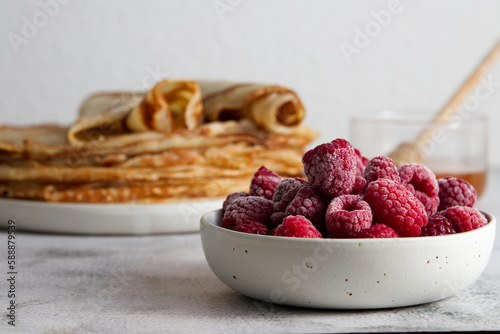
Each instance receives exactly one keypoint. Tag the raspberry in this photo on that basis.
(422, 183)
(377, 231)
(231, 197)
(296, 226)
(286, 185)
(331, 167)
(346, 215)
(381, 167)
(453, 191)
(252, 208)
(394, 205)
(284, 193)
(464, 218)
(252, 227)
(264, 182)
(361, 162)
(359, 185)
(437, 225)
(310, 203)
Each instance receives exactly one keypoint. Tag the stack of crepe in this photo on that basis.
(179, 141)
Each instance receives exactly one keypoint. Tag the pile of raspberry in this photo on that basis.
(346, 195)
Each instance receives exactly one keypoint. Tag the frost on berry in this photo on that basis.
(464, 218)
(454, 191)
(331, 167)
(310, 203)
(347, 215)
(251, 227)
(252, 208)
(264, 183)
(377, 231)
(422, 183)
(231, 197)
(381, 167)
(297, 227)
(437, 225)
(394, 205)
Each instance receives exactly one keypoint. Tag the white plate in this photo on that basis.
(127, 218)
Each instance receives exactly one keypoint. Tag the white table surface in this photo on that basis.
(162, 284)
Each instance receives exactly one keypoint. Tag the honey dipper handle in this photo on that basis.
(451, 107)
(403, 152)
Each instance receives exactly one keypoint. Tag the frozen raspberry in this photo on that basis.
(331, 167)
(296, 226)
(285, 192)
(310, 203)
(381, 167)
(253, 208)
(251, 227)
(231, 197)
(359, 185)
(285, 186)
(264, 182)
(361, 162)
(394, 205)
(377, 231)
(437, 225)
(453, 191)
(464, 218)
(346, 215)
(422, 183)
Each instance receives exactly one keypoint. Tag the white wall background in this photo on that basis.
(416, 61)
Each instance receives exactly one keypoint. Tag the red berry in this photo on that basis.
(422, 183)
(453, 192)
(394, 205)
(231, 197)
(347, 215)
(464, 218)
(285, 186)
(359, 185)
(437, 225)
(285, 192)
(310, 203)
(331, 167)
(264, 182)
(361, 162)
(251, 227)
(377, 231)
(296, 226)
(381, 167)
(252, 208)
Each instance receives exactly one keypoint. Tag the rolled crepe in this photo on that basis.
(276, 108)
(176, 106)
(170, 106)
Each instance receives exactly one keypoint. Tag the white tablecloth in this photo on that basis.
(162, 284)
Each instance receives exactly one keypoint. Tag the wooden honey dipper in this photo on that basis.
(411, 151)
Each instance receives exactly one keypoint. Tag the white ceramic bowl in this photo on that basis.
(346, 273)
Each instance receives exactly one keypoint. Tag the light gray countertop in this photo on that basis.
(162, 284)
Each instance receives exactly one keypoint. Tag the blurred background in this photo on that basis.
(341, 57)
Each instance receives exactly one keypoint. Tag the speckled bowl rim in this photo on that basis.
(215, 226)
